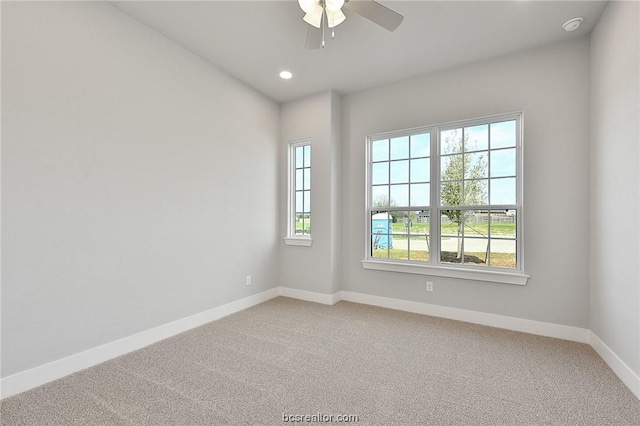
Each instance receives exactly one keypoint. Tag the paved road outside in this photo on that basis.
(471, 245)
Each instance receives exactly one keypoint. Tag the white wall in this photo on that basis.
(615, 181)
(315, 268)
(139, 183)
(551, 85)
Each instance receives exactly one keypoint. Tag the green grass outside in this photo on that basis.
(500, 260)
(307, 226)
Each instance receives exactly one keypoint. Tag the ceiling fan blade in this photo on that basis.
(314, 37)
(376, 13)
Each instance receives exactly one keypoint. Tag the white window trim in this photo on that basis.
(432, 268)
(292, 239)
(469, 273)
(300, 241)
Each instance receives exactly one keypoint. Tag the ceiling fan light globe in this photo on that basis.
(314, 18)
(308, 5)
(335, 18)
(333, 5)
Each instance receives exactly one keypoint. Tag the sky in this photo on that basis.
(404, 164)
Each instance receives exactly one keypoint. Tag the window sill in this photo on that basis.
(298, 241)
(516, 278)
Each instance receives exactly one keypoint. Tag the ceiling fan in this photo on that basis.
(328, 13)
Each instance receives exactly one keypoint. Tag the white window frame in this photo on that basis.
(292, 239)
(434, 267)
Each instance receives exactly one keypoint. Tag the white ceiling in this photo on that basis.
(255, 40)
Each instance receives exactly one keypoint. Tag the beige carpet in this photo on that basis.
(288, 357)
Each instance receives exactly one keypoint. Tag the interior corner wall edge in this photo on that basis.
(130, 172)
(336, 193)
(551, 85)
(615, 182)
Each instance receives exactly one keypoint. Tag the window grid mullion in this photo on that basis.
(489, 238)
(294, 217)
(434, 220)
(489, 167)
(463, 223)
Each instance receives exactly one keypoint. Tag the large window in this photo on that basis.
(300, 193)
(447, 196)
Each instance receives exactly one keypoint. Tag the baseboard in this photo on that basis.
(42, 374)
(622, 370)
(500, 321)
(310, 296)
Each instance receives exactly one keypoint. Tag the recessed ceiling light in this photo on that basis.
(572, 24)
(285, 75)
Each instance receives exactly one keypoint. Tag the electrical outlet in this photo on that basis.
(247, 281)
(429, 285)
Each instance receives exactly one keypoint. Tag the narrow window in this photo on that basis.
(300, 191)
